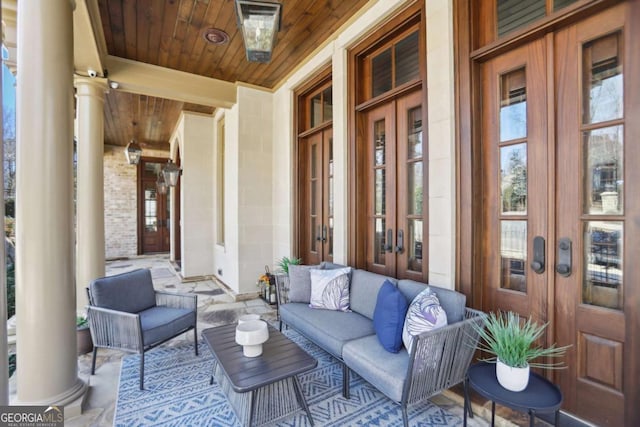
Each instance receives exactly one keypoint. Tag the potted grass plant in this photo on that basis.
(284, 263)
(83, 335)
(512, 344)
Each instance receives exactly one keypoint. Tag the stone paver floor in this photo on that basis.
(216, 307)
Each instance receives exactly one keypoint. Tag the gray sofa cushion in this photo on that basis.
(385, 371)
(161, 323)
(131, 291)
(364, 291)
(327, 328)
(451, 301)
(300, 282)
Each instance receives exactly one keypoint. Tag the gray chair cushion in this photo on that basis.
(131, 291)
(384, 370)
(451, 301)
(161, 323)
(300, 282)
(327, 328)
(364, 291)
(326, 265)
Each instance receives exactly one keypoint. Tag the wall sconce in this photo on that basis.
(171, 173)
(161, 186)
(133, 152)
(260, 23)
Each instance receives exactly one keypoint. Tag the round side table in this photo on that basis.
(540, 396)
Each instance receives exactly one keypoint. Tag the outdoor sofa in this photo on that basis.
(438, 359)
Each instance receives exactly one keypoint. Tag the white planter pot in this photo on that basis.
(513, 379)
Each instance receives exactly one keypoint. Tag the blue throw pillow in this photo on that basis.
(388, 316)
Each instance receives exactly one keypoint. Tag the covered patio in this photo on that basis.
(481, 147)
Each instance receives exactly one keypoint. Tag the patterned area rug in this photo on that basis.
(177, 393)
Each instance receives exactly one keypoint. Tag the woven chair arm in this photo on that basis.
(174, 300)
(440, 358)
(115, 329)
(282, 287)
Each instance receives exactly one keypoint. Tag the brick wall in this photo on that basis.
(120, 202)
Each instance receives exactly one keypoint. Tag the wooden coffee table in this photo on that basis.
(260, 389)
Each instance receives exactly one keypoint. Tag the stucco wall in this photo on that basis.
(120, 202)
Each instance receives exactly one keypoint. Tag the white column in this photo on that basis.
(4, 359)
(90, 249)
(45, 291)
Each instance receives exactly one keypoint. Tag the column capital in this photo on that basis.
(89, 85)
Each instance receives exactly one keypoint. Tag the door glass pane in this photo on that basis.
(379, 141)
(602, 79)
(604, 178)
(513, 105)
(381, 73)
(407, 59)
(559, 4)
(151, 169)
(414, 245)
(513, 14)
(327, 102)
(415, 133)
(315, 233)
(513, 179)
(331, 176)
(314, 197)
(414, 188)
(513, 255)
(316, 110)
(379, 242)
(330, 236)
(314, 161)
(603, 264)
(380, 205)
(150, 210)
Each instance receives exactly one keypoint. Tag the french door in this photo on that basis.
(153, 210)
(561, 207)
(396, 207)
(316, 197)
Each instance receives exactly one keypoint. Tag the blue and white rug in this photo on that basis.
(177, 393)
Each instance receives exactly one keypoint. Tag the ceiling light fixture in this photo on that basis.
(133, 152)
(215, 36)
(260, 22)
(160, 184)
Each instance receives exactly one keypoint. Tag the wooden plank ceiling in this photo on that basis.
(168, 33)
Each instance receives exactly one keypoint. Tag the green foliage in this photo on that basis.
(81, 322)
(285, 262)
(513, 341)
(11, 291)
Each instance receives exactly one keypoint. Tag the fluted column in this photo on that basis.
(90, 250)
(45, 278)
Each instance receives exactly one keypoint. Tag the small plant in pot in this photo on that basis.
(83, 335)
(285, 262)
(513, 346)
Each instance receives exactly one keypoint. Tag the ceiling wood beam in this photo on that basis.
(147, 79)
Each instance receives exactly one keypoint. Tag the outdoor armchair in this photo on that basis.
(126, 313)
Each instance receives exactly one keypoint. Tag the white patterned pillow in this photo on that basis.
(424, 314)
(330, 289)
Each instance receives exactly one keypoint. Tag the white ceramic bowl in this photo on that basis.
(251, 335)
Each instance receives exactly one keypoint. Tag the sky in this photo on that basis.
(8, 89)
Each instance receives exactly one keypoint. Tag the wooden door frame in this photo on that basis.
(140, 195)
(468, 57)
(357, 224)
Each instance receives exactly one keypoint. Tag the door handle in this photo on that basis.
(388, 246)
(537, 265)
(564, 257)
(400, 241)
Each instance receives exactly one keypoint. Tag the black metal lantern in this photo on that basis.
(133, 152)
(171, 172)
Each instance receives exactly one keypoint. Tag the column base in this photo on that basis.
(72, 400)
